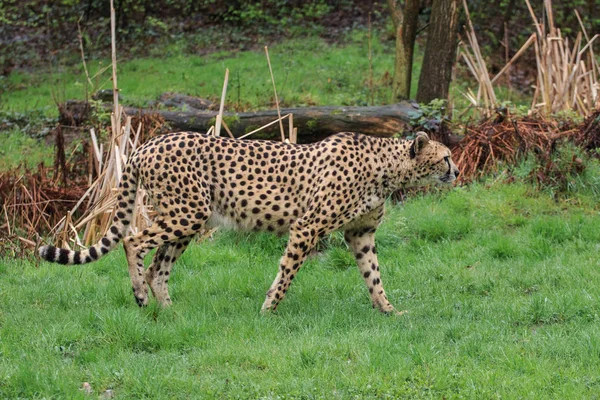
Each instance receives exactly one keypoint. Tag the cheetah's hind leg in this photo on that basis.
(157, 275)
(159, 234)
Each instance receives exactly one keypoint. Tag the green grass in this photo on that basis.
(307, 72)
(501, 283)
(18, 149)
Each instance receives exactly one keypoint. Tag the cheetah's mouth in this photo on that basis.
(448, 178)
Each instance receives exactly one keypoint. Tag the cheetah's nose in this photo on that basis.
(456, 173)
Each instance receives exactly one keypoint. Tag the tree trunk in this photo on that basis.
(405, 24)
(440, 53)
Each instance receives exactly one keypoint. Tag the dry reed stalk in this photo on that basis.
(567, 74)
(113, 42)
(7, 220)
(506, 45)
(478, 67)
(80, 39)
(483, 92)
(27, 242)
(63, 235)
(518, 54)
(276, 98)
(291, 129)
(101, 194)
(593, 60)
(227, 130)
(266, 126)
(219, 118)
(369, 36)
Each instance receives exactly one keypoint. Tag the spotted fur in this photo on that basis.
(197, 181)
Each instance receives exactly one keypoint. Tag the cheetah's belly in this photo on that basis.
(249, 223)
(220, 220)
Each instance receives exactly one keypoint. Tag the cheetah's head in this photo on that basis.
(432, 161)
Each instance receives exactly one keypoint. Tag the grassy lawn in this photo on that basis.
(500, 280)
(307, 72)
(19, 149)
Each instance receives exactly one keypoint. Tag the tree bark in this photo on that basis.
(440, 52)
(313, 123)
(405, 24)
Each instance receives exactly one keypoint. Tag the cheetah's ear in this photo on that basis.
(419, 143)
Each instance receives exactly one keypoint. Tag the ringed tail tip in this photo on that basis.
(61, 256)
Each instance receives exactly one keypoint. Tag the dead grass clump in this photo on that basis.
(493, 143)
(34, 201)
(151, 125)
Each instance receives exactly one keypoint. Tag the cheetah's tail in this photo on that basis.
(118, 229)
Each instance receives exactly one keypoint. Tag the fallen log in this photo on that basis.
(313, 123)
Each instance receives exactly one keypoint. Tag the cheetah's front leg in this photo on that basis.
(362, 244)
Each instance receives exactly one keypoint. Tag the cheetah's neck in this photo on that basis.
(395, 164)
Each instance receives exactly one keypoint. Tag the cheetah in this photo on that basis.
(197, 181)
